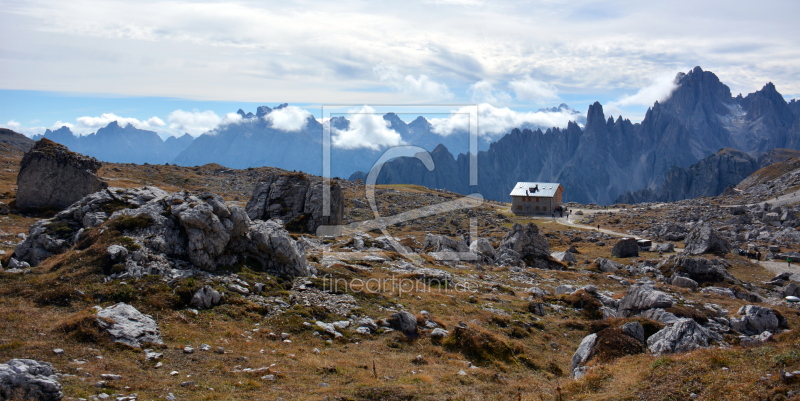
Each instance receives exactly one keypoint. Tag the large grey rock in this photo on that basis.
(635, 330)
(27, 379)
(699, 269)
(607, 266)
(705, 239)
(441, 243)
(663, 247)
(625, 248)
(125, 324)
(50, 176)
(659, 315)
(565, 256)
(297, 199)
(582, 354)
(206, 298)
(756, 320)
(483, 247)
(642, 296)
(684, 282)
(173, 231)
(684, 335)
(524, 244)
(403, 321)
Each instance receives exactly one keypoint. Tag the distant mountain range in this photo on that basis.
(597, 160)
(118, 144)
(608, 158)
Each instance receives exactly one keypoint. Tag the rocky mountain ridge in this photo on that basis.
(610, 157)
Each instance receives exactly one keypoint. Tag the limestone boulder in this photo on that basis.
(682, 336)
(51, 176)
(642, 296)
(524, 244)
(699, 269)
(126, 325)
(705, 239)
(755, 319)
(625, 248)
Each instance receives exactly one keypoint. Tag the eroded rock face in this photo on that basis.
(684, 335)
(170, 231)
(705, 239)
(206, 298)
(50, 176)
(27, 379)
(524, 244)
(126, 325)
(297, 200)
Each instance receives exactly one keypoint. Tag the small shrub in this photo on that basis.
(137, 222)
(479, 346)
(56, 296)
(589, 305)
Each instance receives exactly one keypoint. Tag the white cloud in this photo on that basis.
(531, 90)
(367, 129)
(193, 122)
(289, 118)
(496, 121)
(483, 92)
(13, 125)
(659, 90)
(104, 119)
(419, 87)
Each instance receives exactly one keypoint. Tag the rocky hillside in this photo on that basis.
(138, 292)
(709, 177)
(610, 157)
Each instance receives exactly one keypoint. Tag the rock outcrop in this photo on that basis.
(699, 269)
(296, 199)
(169, 231)
(126, 325)
(683, 335)
(27, 379)
(642, 296)
(51, 176)
(756, 320)
(705, 239)
(524, 244)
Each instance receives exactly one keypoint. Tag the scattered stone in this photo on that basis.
(109, 376)
(419, 360)
(127, 325)
(188, 350)
(58, 351)
(663, 247)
